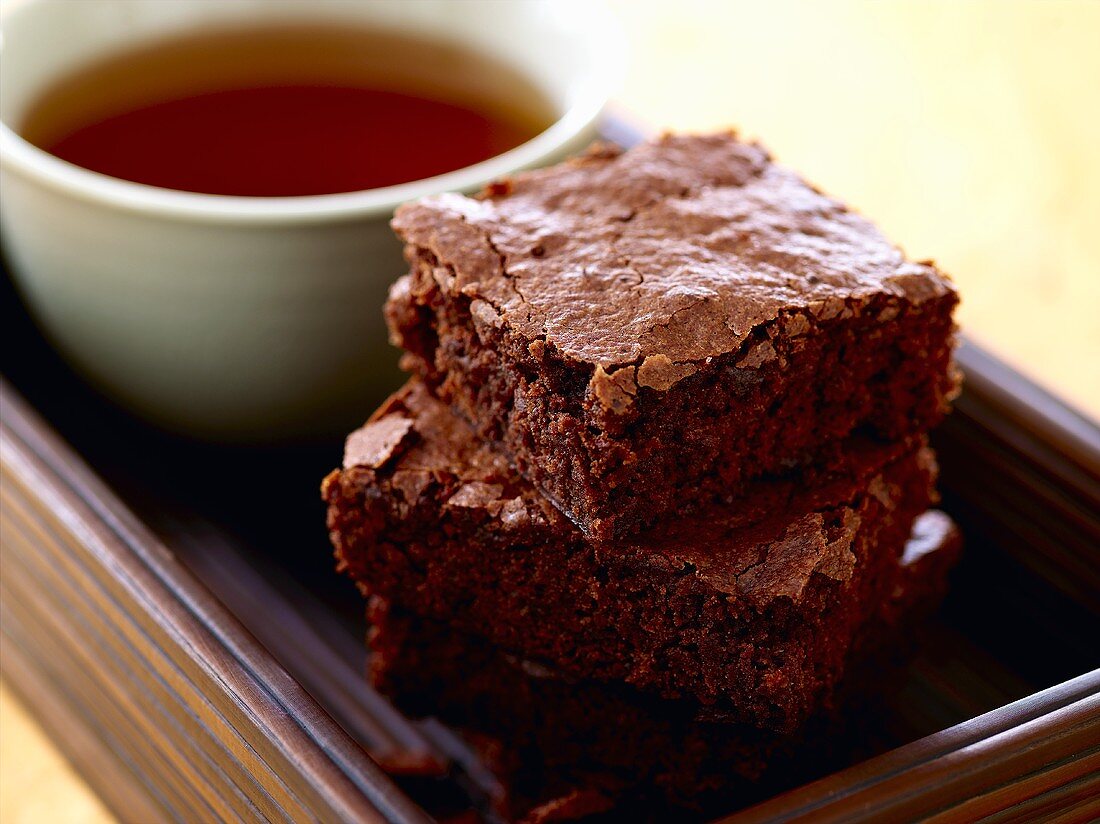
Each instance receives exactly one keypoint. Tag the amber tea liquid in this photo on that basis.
(287, 111)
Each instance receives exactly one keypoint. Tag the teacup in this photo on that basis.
(247, 318)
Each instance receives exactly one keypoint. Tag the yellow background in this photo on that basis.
(970, 131)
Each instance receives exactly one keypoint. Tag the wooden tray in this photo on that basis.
(170, 614)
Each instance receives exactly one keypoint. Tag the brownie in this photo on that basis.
(645, 332)
(747, 610)
(591, 741)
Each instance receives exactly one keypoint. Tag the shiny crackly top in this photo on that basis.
(662, 256)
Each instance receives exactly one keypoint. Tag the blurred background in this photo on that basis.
(970, 131)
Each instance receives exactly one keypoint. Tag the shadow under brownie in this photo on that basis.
(644, 333)
(749, 611)
(596, 744)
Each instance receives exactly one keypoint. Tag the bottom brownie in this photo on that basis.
(568, 748)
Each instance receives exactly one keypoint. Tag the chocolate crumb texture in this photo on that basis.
(659, 479)
(612, 743)
(645, 332)
(748, 611)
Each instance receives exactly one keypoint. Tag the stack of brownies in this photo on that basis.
(660, 476)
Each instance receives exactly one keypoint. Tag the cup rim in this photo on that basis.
(603, 41)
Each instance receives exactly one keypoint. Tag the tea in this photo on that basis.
(287, 111)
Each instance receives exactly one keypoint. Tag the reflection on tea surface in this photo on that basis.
(287, 111)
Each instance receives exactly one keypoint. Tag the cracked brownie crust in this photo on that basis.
(645, 332)
(749, 610)
(612, 738)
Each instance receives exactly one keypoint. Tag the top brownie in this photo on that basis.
(645, 332)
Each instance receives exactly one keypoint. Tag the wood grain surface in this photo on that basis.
(967, 130)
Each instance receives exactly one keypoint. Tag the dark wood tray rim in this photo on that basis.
(301, 744)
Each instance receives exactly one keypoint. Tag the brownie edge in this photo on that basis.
(648, 331)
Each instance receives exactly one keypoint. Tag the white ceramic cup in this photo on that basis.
(245, 318)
